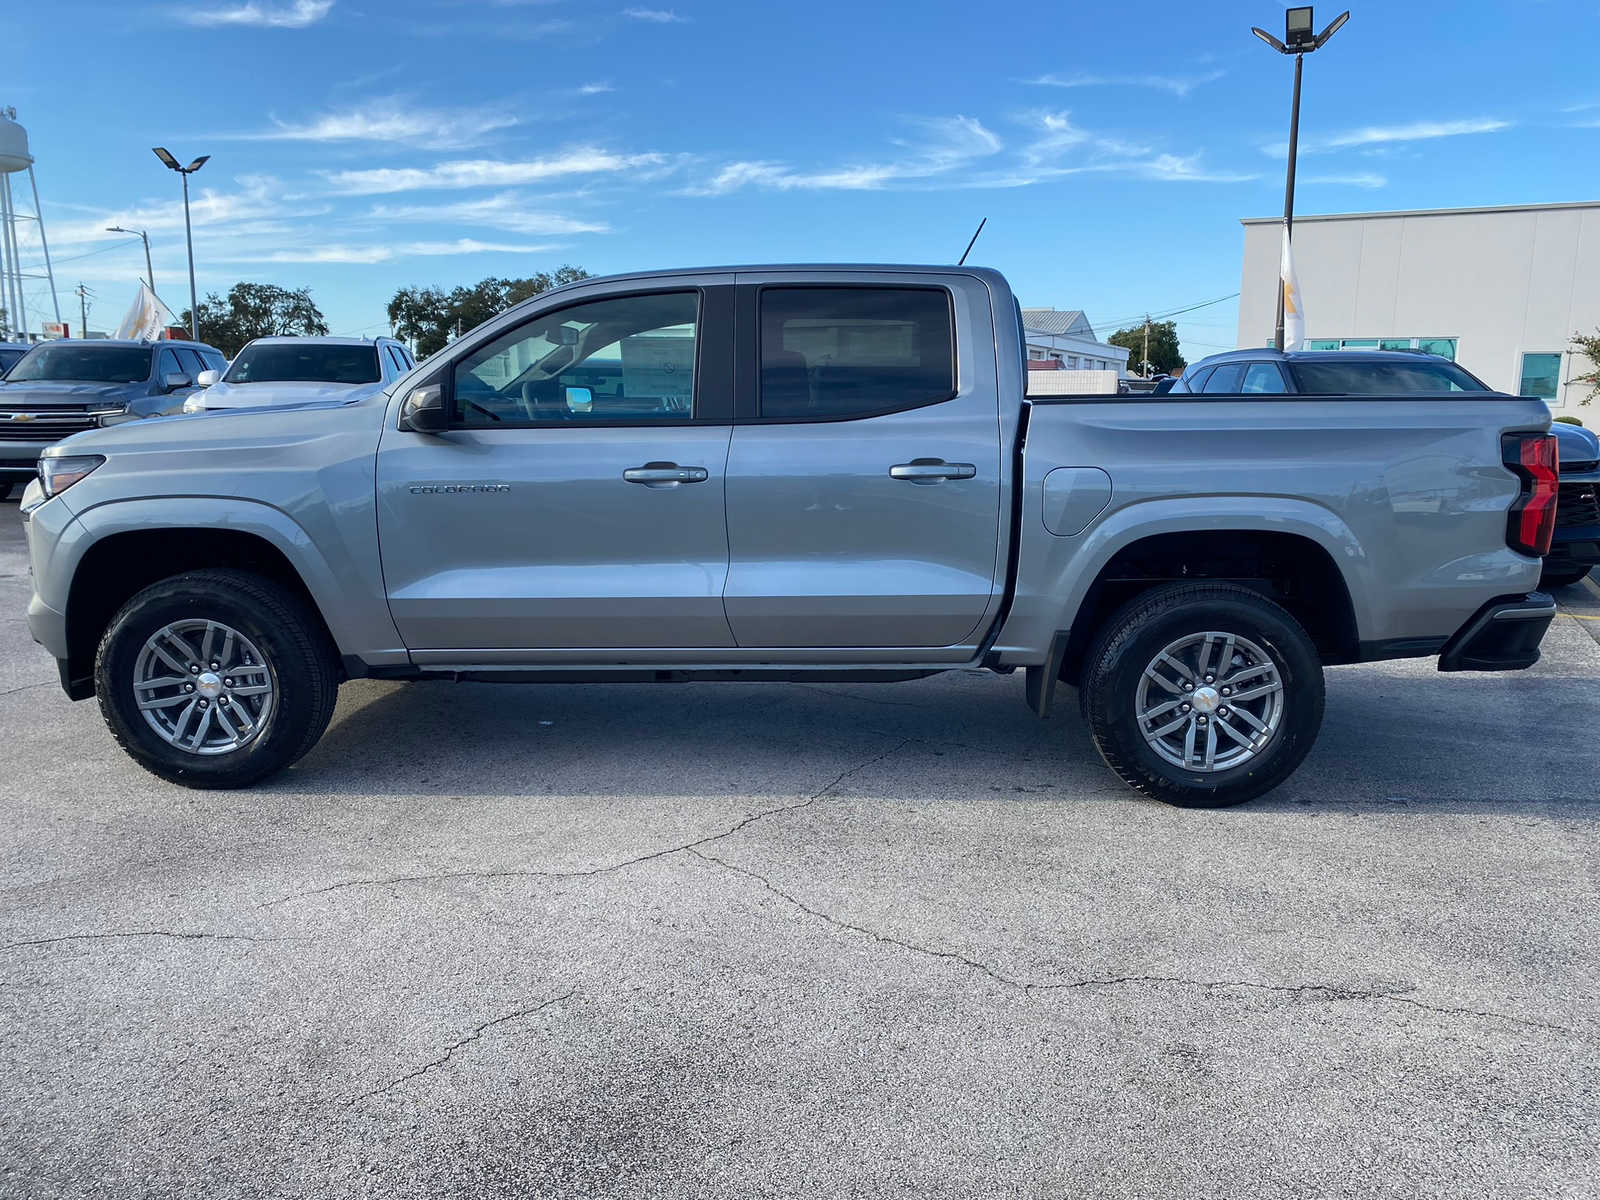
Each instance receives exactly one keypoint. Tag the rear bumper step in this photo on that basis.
(1503, 635)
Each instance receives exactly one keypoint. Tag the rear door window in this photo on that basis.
(1227, 378)
(1413, 375)
(1263, 377)
(830, 353)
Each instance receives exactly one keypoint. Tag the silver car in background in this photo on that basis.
(272, 372)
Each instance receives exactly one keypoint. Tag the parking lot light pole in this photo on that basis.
(1298, 40)
(188, 235)
(149, 273)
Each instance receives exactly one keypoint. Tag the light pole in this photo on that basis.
(149, 274)
(1298, 40)
(188, 235)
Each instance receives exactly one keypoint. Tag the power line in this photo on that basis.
(92, 253)
(1138, 318)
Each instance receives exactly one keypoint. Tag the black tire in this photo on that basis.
(1562, 576)
(1155, 620)
(291, 641)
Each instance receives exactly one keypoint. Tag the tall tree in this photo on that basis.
(1165, 357)
(430, 317)
(255, 310)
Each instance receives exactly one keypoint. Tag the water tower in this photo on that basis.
(15, 229)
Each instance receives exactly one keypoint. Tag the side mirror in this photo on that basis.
(580, 400)
(207, 378)
(172, 381)
(422, 411)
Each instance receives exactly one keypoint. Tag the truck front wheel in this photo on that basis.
(216, 678)
(1202, 694)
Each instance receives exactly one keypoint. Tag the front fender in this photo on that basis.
(357, 615)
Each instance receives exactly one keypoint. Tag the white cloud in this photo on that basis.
(471, 173)
(1175, 84)
(1362, 179)
(506, 211)
(660, 16)
(595, 89)
(954, 143)
(1385, 135)
(388, 121)
(297, 15)
(471, 246)
(317, 254)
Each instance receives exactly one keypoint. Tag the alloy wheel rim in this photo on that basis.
(203, 687)
(1210, 702)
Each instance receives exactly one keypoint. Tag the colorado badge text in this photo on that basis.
(455, 489)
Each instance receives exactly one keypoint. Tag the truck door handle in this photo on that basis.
(665, 474)
(931, 470)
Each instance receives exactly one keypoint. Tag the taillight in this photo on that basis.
(1532, 458)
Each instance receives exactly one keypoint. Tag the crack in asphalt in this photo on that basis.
(1324, 990)
(137, 933)
(589, 872)
(450, 1050)
(27, 687)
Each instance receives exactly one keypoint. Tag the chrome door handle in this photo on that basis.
(665, 474)
(931, 470)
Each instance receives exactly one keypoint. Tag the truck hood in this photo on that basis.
(271, 395)
(1577, 444)
(69, 394)
(256, 430)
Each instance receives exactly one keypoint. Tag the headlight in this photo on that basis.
(194, 404)
(57, 474)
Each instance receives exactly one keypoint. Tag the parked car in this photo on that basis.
(274, 371)
(10, 352)
(63, 387)
(787, 473)
(1575, 546)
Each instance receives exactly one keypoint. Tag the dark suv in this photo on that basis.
(64, 387)
(1390, 373)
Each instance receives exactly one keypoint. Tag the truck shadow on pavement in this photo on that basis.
(1394, 736)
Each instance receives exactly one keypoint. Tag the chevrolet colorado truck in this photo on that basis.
(787, 473)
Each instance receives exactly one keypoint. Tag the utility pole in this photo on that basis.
(149, 271)
(188, 233)
(83, 309)
(1144, 363)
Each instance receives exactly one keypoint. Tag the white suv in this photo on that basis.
(274, 371)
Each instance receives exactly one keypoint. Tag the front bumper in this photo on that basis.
(1503, 635)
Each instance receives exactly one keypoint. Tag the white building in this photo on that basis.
(1500, 290)
(1063, 339)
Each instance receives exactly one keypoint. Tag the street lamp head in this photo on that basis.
(1299, 32)
(196, 164)
(1333, 27)
(162, 153)
(1269, 39)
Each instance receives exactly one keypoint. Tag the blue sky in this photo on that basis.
(358, 147)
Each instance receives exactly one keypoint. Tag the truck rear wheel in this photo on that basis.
(216, 679)
(1202, 694)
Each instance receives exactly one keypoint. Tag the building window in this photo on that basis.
(1323, 344)
(1541, 376)
(1072, 362)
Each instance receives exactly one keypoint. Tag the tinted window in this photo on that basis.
(193, 364)
(8, 358)
(214, 360)
(83, 363)
(1263, 377)
(398, 360)
(1541, 376)
(304, 362)
(631, 358)
(1194, 381)
(1422, 375)
(167, 364)
(852, 352)
(1228, 377)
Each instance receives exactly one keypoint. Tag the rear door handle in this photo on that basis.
(931, 470)
(665, 475)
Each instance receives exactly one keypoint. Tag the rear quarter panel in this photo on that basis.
(1408, 497)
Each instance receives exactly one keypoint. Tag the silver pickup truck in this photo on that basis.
(787, 473)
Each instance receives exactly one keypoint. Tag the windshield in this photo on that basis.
(80, 362)
(1424, 376)
(290, 362)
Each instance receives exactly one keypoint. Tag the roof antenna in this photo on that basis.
(968, 250)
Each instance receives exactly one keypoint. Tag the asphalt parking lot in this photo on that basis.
(786, 940)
